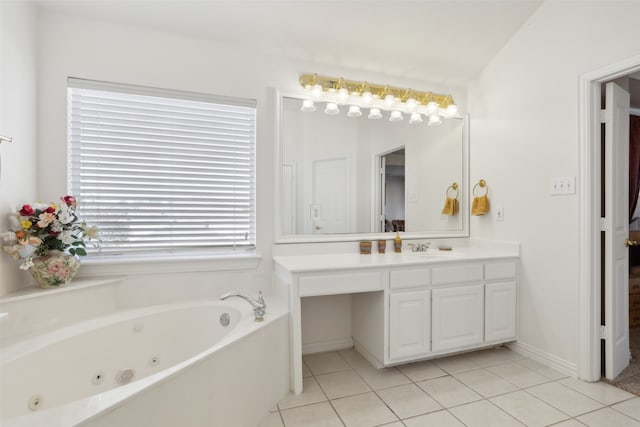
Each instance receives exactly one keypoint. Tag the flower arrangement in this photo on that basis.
(39, 228)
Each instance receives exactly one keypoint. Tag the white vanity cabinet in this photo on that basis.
(458, 307)
(404, 310)
(500, 301)
(409, 324)
(447, 308)
(409, 313)
(458, 317)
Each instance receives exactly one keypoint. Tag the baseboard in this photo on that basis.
(322, 346)
(545, 358)
(364, 353)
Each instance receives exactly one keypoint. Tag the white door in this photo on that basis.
(458, 317)
(330, 209)
(616, 255)
(500, 311)
(409, 324)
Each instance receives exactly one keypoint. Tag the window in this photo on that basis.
(161, 170)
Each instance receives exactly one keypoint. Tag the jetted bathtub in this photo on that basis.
(200, 363)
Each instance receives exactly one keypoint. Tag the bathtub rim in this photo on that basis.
(83, 410)
(15, 347)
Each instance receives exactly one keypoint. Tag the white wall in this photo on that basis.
(18, 159)
(76, 47)
(524, 130)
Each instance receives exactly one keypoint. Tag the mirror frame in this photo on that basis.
(279, 238)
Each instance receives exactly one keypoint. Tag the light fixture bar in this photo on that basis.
(355, 87)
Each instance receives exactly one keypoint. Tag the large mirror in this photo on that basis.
(349, 178)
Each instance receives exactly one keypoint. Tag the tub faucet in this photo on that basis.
(257, 304)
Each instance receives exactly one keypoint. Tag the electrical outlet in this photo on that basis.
(500, 214)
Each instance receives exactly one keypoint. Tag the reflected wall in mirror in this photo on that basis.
(348, 175)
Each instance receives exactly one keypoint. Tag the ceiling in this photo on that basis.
(440, 41)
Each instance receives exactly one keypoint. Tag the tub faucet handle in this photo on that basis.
(258, 305)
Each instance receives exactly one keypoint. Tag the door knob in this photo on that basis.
(628, 242)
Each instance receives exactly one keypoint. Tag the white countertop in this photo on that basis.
(341, 261)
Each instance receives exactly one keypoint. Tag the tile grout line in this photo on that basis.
(448, 374)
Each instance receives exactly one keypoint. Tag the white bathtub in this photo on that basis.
(188, 369)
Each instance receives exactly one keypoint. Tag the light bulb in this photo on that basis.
(415, 118)
(354, 111)
(396, 116)
(389, 100)
(452, 110)
(374, 114)
(411, 105)
(367, 97)
(434, 120)
(307, 106)
(343, 95)
(331, 108)
(432, 107)
(316, 92)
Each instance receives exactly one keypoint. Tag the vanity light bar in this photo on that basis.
(338, 91)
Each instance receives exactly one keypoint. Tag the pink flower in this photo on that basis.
(46, 218)
(69, 200)
(58, 269)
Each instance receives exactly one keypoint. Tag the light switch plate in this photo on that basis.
(562, 185)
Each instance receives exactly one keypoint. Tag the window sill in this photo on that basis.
(159, 264)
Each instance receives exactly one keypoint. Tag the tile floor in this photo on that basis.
(492, 388)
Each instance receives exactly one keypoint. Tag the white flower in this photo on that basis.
(91, 232)
(14, 222)
(56, 226)
(64, 217)
(14, 251)
(67, 237)
(27, 264)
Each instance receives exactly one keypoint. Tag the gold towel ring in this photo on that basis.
(453, 187)
(482, 184)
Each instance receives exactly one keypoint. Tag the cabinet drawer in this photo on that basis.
(634, 318)
(341, 283)
(410, 278)
(634, 302)
(457, 274)
(500, 270)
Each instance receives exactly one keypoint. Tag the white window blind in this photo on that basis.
(160, 170)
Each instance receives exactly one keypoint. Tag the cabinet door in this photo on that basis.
(409, 324)
(500, 311)
(458, 317)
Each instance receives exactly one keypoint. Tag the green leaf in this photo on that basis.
(80, 252)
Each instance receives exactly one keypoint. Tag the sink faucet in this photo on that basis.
(419, 247)
(257, 304)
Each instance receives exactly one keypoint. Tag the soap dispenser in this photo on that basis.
(397, 243)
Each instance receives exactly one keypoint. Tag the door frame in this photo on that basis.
(589, 203)
(377, 188)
